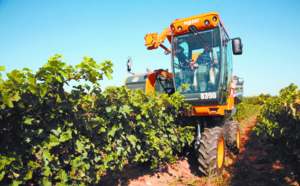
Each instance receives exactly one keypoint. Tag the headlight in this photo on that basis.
(206, 22)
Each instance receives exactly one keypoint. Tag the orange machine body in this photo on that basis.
(148, 81)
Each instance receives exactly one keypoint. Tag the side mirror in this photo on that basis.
(129, 64)
(237, 46)
(241, 81)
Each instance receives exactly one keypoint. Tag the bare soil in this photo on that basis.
(250, 167)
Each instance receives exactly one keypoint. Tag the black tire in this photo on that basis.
(234, 141)
(211, 153)
(297, 169)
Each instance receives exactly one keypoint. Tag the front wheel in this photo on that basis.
(211, 153)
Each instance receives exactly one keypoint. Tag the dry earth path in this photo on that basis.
(250, 167)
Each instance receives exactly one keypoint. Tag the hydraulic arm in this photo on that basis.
(153, 41)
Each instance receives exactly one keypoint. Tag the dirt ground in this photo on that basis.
(250, 167)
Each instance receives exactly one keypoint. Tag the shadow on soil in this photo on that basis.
(129, 172)
(253, 167)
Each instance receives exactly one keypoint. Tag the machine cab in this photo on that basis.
(201, 60)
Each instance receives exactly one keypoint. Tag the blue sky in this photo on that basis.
(33, 31)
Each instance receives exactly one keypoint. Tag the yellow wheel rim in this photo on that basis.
(238, 138)
(220, 153)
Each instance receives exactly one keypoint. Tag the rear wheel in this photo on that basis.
(211, 154)
(234, 140)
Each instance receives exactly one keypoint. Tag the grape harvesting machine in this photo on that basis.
(201, 58)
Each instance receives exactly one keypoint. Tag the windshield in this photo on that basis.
(196, 60)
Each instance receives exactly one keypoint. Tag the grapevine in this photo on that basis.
(54, 137)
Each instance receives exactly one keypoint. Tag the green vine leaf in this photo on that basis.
(132, 140)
